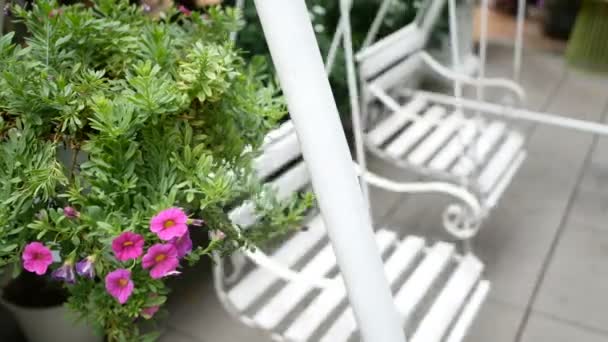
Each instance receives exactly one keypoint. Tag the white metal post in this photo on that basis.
(299, 65)
(519, 39)
(455, 45)
(353, 93)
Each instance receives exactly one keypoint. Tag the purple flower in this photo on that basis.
(70, 212)
(120, 285)
(65, 273)
(127, 246)
(183, 245)
(147, 8)
(36, 258)
(86, 267)
(162, 259)
(169, 223)
(7, 10)
(148, 312)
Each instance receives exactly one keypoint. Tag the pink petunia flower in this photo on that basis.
(71, 212)
(148, 312)
(162, 259)
(128, 245)
(217, 235)
(169, 223)
(37, 258)
(185, 11)
(183, 245)
(120, 285)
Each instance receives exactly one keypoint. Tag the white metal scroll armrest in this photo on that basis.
(479, 82)
(424, 187)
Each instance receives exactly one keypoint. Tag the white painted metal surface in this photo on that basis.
(302, 75)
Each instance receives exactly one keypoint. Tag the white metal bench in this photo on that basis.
(296, 294)
(437, 140)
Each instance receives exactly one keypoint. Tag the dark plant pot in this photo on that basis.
(38, 307)
(559, 17)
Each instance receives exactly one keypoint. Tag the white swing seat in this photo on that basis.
(295, 292)
(432, 139)
(443, 143)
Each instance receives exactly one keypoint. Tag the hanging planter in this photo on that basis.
(121, 133)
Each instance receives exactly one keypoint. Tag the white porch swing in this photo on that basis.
(298, 292)
(436, 140)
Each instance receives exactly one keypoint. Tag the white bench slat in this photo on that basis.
(386, 51)
(415, 288)
(400, 260)
(277, 154)
(436, 139)
(284, 129)
(281, 304)
(255, 283)
(456, 146)
(412, 134)
(306, 324)
(486, 142)
(505, 180)
(450, 301)
(499, 163)
(460, 329)
(389, 126)
(342, 328)
(288, 183)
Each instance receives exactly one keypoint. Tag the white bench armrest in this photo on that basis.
(478, 82)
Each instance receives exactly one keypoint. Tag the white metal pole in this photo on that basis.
(519, 39)
(378, 20)
(299, 65)
(455, 45)
(240, 5)
(483, 45)
(353, 93)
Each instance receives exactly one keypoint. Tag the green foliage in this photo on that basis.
(325, 15)
(120, 115)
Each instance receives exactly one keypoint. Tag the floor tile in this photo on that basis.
(575, 284)
(496, 322)
(176, 336)
(544, 328)
(195, 310)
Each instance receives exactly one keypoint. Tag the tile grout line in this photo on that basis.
(560, 230)
(572, 323)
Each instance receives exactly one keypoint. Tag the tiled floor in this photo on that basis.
(545, 246)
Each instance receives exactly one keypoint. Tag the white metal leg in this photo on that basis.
(300, 68)
(519, 39)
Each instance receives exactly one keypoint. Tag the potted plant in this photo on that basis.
(121, 134)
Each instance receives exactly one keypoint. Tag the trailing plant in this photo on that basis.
(119, 135)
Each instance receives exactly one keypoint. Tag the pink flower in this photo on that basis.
(120, 285)
(128, 245)
(37, 258)
(148, 312)
(183, 245)
(162, 259)
(185, 11)
(169, 223)
(70, 212)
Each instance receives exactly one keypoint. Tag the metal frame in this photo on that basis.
(302, 74)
